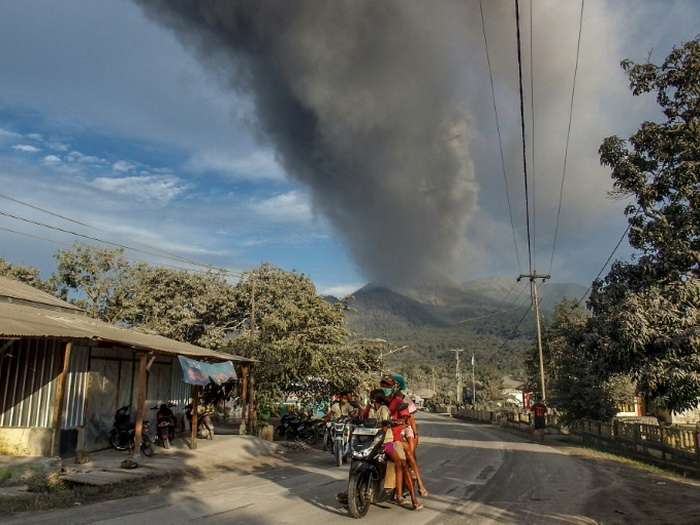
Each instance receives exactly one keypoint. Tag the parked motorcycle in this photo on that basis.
(296, 428)
(205, 427)
(368, 468)
(165, 425)
(121, 437)
(341, 431)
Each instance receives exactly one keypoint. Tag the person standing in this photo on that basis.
(539, 419)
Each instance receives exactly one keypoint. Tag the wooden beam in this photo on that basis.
(60, 395)
(195, 415)
(244, 398)
(140, 404)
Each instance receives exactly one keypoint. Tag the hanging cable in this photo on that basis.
(533, 171)
(168, 255)
(522, 132)
(568, 136)
(117, 245)
(500, 140)
(605, 265)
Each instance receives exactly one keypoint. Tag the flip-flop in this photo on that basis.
(418, 507)
(423, 492)
(403, 502)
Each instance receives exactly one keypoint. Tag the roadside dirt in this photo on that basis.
(634, 493)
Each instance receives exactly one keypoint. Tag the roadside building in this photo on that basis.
(64, 374)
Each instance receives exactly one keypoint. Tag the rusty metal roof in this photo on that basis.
(28, 312)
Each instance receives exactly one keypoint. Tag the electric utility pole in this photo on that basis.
(458, 386)
(536, 306)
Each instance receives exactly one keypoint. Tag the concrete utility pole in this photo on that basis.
(458, 387)
(473, 383)
(536, 305)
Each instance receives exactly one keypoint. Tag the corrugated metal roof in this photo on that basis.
(36, 320)
(11, 289)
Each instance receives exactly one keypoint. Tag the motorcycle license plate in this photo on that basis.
(362, 431)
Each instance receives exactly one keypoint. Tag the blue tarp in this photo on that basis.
(200, 373)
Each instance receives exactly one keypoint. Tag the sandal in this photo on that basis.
(418, 507)
(403, 502)
(423, 492)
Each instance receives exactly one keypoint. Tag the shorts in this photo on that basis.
(407, 433)
(397, 446)
(540, 423)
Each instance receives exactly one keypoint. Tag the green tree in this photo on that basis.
(646, 319)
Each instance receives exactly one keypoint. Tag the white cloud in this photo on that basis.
(260, 164)
(76, 156)
(341, 290)
(51, 160)
(7, 134)
(285, 207)
(158, 188)
(123, 166)
(25, 148)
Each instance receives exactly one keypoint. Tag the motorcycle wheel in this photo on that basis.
(115, 441)
(359, 494)
(147, 448)
(339, 454)
(327, 442)
(166, 442)
(309, 436)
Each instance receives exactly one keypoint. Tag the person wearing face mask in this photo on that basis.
(399, 412)
(409, 433)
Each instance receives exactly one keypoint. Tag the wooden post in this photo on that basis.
(251, 399)
(697, 444)
(195, 412)
(60, 395)
(244, 398)
(140, 405)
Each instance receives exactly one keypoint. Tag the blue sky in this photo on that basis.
(107, 118)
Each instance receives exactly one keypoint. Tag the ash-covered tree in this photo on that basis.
(197, 308)
(647, 312)
(26, 274)
(300, 339)
(577, 382)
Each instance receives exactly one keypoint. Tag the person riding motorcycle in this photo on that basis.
(395, 449)
(343, 407)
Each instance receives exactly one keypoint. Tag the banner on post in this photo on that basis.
(199, 373)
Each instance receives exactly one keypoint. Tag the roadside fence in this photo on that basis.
(676, 446)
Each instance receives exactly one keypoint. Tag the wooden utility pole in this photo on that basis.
(536, 306)
(251, 379)
(458, 386)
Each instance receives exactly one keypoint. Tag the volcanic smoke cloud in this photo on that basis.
(362, 101)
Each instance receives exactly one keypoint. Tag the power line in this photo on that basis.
(498, 131)
(606, 264)
(533, 171)
(568, 136)
(117, 245)
(522, 132)
(161, 253)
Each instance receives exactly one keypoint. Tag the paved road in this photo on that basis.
(476, 475)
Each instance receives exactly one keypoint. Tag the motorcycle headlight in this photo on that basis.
(364, 445)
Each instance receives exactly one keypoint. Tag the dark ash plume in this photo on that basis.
(363, 102)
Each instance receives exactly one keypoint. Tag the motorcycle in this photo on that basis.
(121, 437)
(165, 425)
(295, 428)
(368, 468)
(341, 431)
(205, 427)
